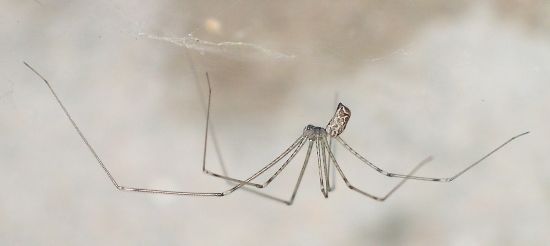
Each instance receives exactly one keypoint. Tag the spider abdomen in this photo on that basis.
(338, 123)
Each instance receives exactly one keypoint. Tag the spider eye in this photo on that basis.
(309, 128)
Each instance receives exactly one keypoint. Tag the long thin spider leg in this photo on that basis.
(283, 166)
(449, 179)
(296, 186)
(208, 125)
(224, 171)
(377, 198)
(416, 168)
(331, 185)
(247, 181)
(206, 142)
(267, 167)
(227, 192)
(75, 126)
(326, 168)
(126, 188)
(301, 174)
(295, 146)
(291, 200)
(321, 176)
(218, 151)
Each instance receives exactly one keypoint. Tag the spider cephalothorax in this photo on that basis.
(338, 123)
(312, 132)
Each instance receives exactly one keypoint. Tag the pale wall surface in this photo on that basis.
(421, 78)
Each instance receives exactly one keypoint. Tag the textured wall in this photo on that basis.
(421, 78)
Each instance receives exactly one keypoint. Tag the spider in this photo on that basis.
(314, 136)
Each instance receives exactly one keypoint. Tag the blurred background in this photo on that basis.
(452, 79)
